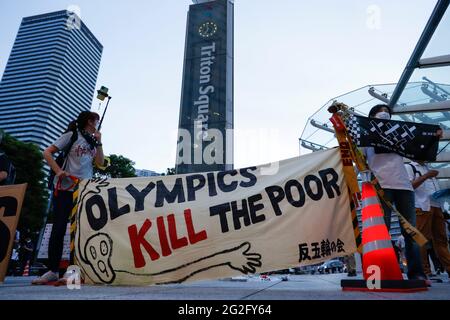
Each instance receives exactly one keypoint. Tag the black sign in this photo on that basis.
(411, 140)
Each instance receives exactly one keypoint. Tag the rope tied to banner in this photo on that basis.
(347, 155)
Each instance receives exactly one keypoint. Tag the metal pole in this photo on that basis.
(422, 44)
(103, 116)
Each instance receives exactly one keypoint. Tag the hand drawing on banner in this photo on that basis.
(98, 251)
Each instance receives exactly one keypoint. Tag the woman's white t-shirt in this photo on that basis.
(389, 169)
(424, 192)
(80, 158)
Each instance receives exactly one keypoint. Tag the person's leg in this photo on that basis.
(350, 261)
(15, 266)
(440, 238)
(436, 263)
(388, 196)
(62, 207)
(23, 264)
(404, 202)
(423, 224)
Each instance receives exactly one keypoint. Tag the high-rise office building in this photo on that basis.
(146, 173)
(205, 140)
(49, 78)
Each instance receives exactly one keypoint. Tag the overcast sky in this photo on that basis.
(291, 57)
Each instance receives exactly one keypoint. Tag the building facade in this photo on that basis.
(205, 139)
(50, 77)
(146, 173)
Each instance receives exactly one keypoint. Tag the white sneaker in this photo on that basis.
(66, 277)
(49, 276)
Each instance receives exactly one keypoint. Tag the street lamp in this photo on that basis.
(101, 95)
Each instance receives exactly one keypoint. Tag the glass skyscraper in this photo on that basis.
(50, 77)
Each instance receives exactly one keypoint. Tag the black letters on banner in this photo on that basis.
(96, 223)
(191, 187)
(221, 181)
(10, 205)
(313, 187)
(114, 209)
(139, 196)
(240, 213)
(211, 184)
(254, 207)
(221, 210)
(331, 184)
(315, 196)
(5, 237)
(162, 193)
(252, 178)
(275, 199)
(293, 191)
(288, 188)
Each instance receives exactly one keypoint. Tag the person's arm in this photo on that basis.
(99, 156)
(3, 175)
(48, 156)
(58, 145)
(418, 182)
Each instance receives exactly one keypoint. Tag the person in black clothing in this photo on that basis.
(26, 252)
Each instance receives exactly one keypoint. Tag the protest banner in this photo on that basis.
(11, 199)
(172, 229)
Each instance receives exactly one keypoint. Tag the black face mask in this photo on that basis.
(90, 139)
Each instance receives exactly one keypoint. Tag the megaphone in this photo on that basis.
(102, 93)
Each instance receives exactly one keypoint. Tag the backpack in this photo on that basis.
(10, 170)
(61, 158)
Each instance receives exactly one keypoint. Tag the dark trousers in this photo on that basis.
(432, 226)
(62, 207)
(404, 202)
(12, 268)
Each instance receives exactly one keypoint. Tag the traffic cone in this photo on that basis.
(378, 253)
(26, 271)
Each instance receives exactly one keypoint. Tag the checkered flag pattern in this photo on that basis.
(354, 129)
(416, 141)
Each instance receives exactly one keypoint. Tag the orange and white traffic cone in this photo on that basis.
(26, 270)
(380, 263)
(376, 241)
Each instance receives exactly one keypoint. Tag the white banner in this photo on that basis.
(158, 230)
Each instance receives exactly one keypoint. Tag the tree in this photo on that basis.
(170, 172)
(29, 164)
(120, 167)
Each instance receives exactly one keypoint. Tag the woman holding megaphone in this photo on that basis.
(80, 147)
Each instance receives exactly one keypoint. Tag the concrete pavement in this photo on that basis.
(298, 287)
